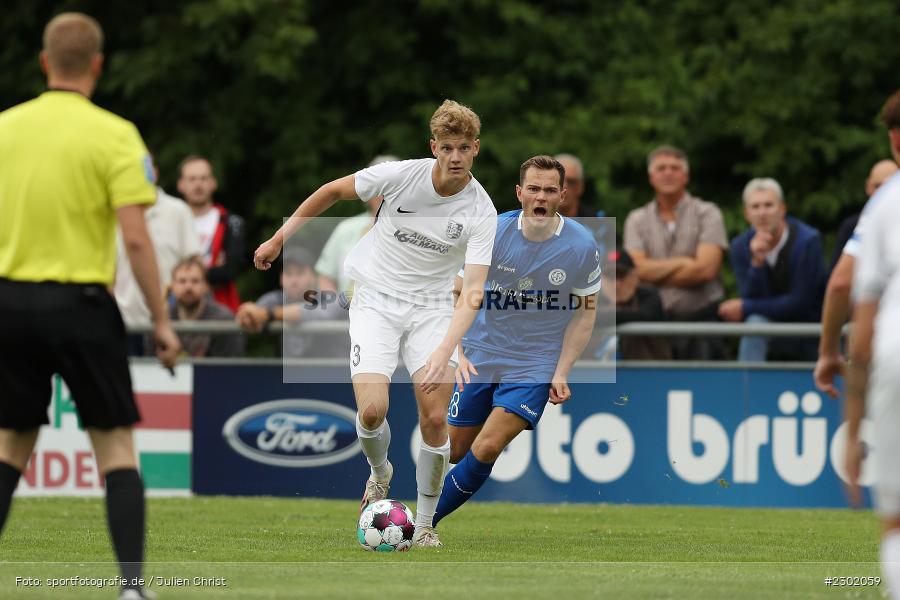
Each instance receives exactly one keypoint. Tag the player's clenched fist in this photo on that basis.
(827, 368)
(266, 254)
(436, 371)
(559, 390)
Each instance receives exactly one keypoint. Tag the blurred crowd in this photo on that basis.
(668, 266)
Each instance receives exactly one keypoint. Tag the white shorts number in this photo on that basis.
(453, 410)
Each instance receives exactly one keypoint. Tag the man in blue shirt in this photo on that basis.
(780, 273)
(536, 319)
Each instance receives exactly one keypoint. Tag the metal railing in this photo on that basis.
(660, 328)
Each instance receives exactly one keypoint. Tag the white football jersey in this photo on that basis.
(854, 244)
(877, 273)
(420, 238)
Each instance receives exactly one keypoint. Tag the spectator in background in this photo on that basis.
(297, 302)
(220, 233)
(677, 242)
(330, 266)
(171, 227)
(634, 303)
(574, 208)
(881, 172)
(193, 302)
(780, 274)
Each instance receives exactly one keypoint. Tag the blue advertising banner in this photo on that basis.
(731, 437)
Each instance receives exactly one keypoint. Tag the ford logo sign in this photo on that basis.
(293, 433)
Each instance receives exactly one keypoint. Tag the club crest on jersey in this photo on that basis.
(526, 283)
(454, 230)
(557, 276)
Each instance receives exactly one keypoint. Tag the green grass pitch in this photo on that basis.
(284, 548)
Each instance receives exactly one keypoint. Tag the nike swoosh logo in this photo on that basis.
(400, 210)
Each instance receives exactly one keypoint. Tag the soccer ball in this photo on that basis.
(385, 526)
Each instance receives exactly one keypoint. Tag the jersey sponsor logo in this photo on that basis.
(499, 297)
(594, 274)
(557, 276)
(506, 269)
(454, 230)
(400, 210)
(526, 283)
(293, 433)
(405, 236)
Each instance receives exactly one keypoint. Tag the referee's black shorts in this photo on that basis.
(71, 329)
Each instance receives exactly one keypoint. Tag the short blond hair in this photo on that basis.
(452, 119)
(71, 40)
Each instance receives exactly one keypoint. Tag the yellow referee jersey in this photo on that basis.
(65, 166)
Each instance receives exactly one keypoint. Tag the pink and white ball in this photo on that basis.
(385, 526)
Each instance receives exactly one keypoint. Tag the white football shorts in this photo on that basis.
(884, 413)
(384, 328)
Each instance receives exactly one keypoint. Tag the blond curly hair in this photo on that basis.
(452, 119)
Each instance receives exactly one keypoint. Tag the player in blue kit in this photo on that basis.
(536, 319)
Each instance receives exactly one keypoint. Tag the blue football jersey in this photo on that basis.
(532, 289)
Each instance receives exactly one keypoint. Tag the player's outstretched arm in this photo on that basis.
(577, 335)
(464, 313)
(835, 311)
(317, 203)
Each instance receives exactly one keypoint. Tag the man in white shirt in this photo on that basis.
(219, 231)
(435, 217)
(171, 227)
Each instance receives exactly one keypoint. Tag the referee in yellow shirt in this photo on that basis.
(68, 171)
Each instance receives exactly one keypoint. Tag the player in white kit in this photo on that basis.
(836, 307)
(435, 217)
(873, 376)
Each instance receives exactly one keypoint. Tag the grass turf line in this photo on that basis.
(279, 548)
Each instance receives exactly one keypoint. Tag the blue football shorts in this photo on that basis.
(518, 389)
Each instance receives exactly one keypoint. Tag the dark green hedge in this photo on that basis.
(284, 95)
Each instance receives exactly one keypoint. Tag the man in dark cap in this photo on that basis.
(634, 302)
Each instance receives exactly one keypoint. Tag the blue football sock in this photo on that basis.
(461, 483)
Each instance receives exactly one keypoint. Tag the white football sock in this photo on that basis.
(374, 445)
(890, 562)
(430, 472)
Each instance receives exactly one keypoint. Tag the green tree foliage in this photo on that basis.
(286, 94)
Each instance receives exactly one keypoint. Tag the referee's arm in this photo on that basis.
(143, 263)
